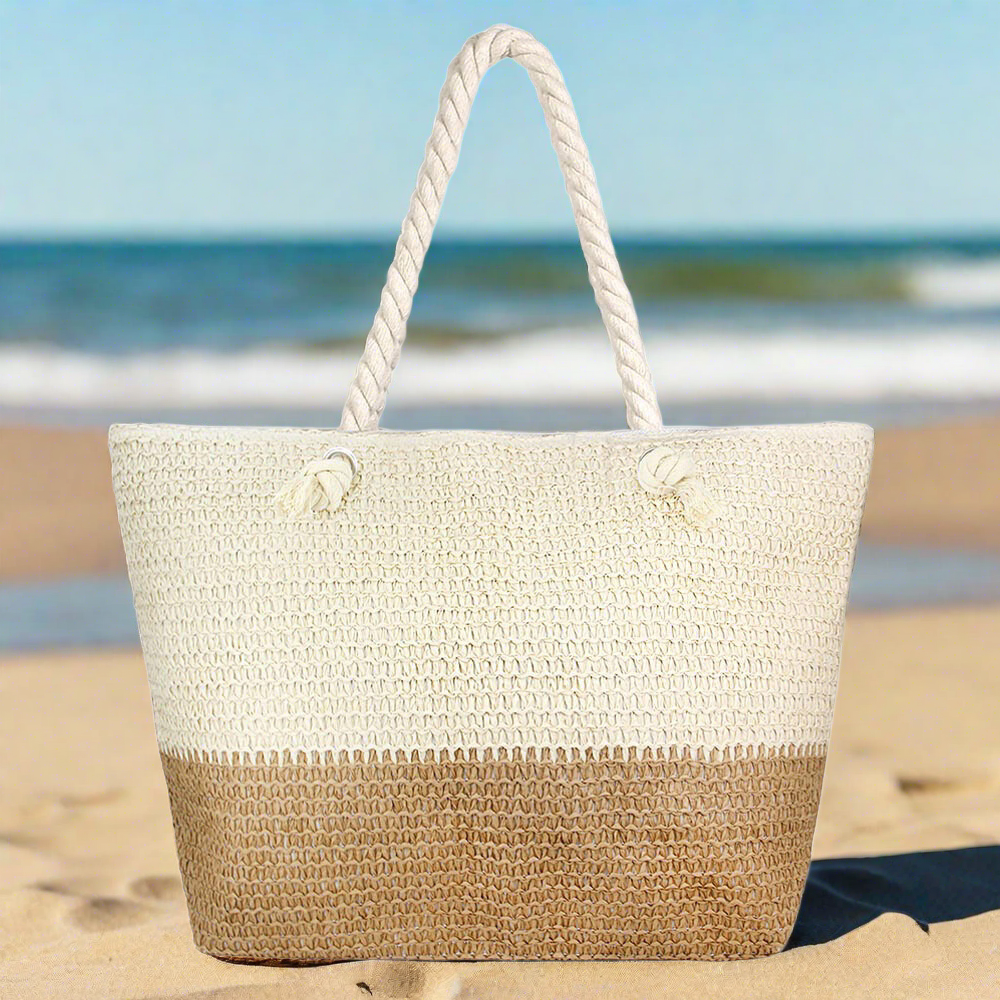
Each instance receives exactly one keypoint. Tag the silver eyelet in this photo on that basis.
(346, 453)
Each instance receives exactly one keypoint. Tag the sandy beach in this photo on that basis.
(90, 899)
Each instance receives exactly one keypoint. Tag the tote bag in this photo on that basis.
(467, 695)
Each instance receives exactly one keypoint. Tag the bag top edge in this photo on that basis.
(120, 431)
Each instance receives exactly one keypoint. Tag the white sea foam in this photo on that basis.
(557, 366)
(966, 284)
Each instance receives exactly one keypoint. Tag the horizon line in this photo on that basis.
(761, 235)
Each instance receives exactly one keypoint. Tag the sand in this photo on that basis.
(91, 903)
(90, 895)
(931, 485)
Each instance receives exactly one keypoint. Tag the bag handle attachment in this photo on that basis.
(366, 396)
(324, 482)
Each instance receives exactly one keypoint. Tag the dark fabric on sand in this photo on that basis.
(930, 886)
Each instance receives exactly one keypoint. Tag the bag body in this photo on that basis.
(468, 695)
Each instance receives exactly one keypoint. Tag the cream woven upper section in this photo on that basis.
(490, 590)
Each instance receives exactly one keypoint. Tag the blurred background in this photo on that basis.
(199, 204)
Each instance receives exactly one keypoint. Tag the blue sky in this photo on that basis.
(293, 117)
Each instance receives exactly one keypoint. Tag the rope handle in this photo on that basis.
(366, 396)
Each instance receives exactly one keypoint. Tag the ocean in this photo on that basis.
(196, 327)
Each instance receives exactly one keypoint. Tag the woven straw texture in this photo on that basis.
(499, 856)
(467, 695)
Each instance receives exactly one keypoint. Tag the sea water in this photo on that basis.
(132, 325)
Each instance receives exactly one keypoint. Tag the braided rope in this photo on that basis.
(366, 396)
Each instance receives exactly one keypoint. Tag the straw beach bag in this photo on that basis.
(460, 695)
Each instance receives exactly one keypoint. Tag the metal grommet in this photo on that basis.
(346, 453)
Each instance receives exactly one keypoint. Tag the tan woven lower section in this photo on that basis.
(472, 856)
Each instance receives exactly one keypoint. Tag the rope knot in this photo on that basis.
(663, 472)
(320, 486)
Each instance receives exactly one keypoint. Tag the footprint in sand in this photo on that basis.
(292, 991)
(929, 785)
(158, 888)
(105, 797)
(244, 993)
(396, 980)
(84, 888)
(107, 914)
